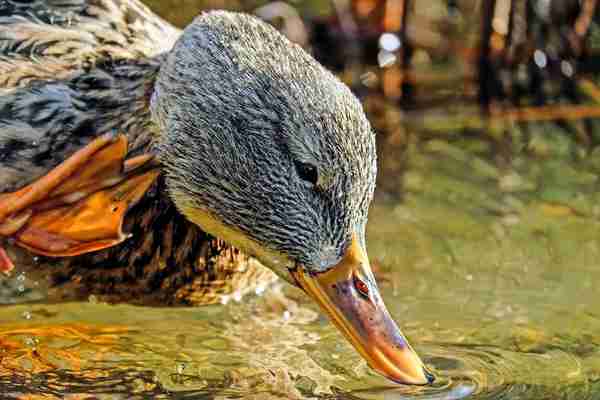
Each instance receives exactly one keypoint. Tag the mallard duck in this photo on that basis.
(113, 121)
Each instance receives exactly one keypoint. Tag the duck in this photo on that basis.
(141, 163)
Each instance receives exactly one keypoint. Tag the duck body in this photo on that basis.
(54, 99)
(230, 129)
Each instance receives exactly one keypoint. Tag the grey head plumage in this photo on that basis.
(261, 136)
(265, 148)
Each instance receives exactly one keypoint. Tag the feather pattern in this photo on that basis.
(70, 71)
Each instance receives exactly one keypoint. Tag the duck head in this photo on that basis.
(267, 150)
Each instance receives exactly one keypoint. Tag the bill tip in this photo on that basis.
(429, 376)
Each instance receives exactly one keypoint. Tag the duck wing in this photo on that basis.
(70, 71)
(48, 39)
(80, 205)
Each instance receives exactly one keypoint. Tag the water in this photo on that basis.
(489, 267)
(508, 315)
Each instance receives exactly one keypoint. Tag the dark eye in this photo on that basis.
(361, 287)
(307, 172)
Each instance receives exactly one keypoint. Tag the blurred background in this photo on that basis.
(499, 79)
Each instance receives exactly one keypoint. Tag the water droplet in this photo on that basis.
(180, 368)
(237, 296)
(26, 315)
(31, 342)
(385, 58)
(21, 288)
(287, 315)
(36, 259)
(260, 290)
(21, 277)
(389, 42)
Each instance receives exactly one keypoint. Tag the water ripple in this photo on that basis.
(486, 372)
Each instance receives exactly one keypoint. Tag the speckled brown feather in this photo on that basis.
(167, 261)
(71, 71)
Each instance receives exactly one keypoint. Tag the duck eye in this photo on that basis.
(307, 172)
(361, 287)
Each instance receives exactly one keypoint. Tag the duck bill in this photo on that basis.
(349, 295)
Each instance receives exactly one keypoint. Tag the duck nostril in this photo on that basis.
(361, 287)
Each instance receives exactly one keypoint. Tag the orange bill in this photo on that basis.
(349, 295)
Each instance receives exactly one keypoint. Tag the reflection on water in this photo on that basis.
(498, 317)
